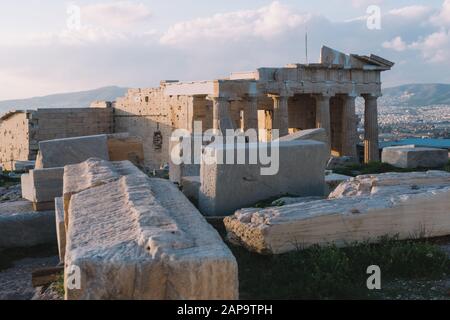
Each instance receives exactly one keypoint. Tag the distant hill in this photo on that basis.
(64, 100)
(406, 95)
(415, 95)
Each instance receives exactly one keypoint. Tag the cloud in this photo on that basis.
(266, 22)
(122, 14)
(396, 44)
(122, 21)
(435, 48)
(135, 55)
(415, 11)
(443, 18)
(365, 3)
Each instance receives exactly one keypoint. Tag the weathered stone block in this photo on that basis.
(23, 166)
(318, 134)
(190, 186)
(228, 187)
(406, 157)
(134, 237)
(90, 173)
(364, 209)
(21, 226)
(61, 152)
(333, 180)
(178, 171)
(340, 162)
(60, 227)
(42, 185)
(124, 147)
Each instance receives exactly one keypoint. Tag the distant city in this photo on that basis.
(399, 122)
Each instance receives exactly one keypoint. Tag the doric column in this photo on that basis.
(280, 114)
(251, 113)
(371, 150)
(221, 114)
(349, 129)
(323, 114)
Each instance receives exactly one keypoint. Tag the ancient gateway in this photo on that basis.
(292, 98)
(295, 97)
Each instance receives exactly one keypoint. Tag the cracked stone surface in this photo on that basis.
(364, 208)
(134, 237)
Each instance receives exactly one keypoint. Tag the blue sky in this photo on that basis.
(139, 43)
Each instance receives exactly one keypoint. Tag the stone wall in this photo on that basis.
(48, 124)
(21, 132)
(14, 135)
(149, 114)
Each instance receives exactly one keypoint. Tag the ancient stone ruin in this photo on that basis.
(93, 187)
(295, 97)
(21, 131)
(139, 238)
(410, 205)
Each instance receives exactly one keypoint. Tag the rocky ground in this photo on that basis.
(15, 282)
(10, 193)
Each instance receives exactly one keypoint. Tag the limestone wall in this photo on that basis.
(14, 135)
(22, 131)
(149, 114)
(48, 124)
(203, 111)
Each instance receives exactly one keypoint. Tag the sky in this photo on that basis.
(52, 46)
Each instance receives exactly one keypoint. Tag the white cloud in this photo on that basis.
(396, 44)
(122, 14)
(210, 47)
(265, 22)
(435, 48)
(365, 3)
(415, 11)
(121, 21)
(443, 18)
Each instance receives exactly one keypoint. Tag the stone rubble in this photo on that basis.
(21, 226)
(365, 208)
(11, 193)
(228, 187)
(412, 157)
(135, 237)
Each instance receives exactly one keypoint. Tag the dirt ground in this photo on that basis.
(15, 282)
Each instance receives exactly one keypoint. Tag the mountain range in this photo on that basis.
(64, 100)
(412, 95)
(416, 95)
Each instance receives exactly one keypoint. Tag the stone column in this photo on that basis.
(280, 114)
(221, 114)
(371, 149)
(349, 129)
(251, 113)
(190, 114)
(323, 115)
